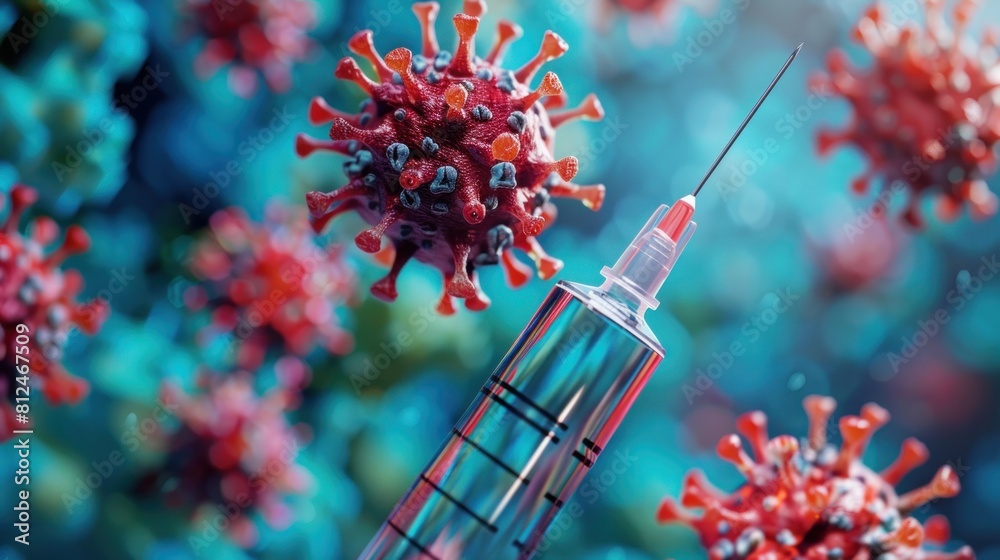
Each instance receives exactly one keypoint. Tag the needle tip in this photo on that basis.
(746, 121)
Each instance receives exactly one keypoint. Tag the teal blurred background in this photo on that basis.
(767, 230)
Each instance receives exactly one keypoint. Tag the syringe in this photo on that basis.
(548, 409)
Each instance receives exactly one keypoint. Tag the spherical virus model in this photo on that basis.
(926, 113)
(270, 284)
(253, 35)
(36, 293)
(816, 502)
(235, 451)
(451, 158)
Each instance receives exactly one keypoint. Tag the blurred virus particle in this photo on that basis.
(251, 36)
(640, 9)
(817, 501)
(867, 251)
(36, 293)
(649, 21)
(234, 453)
(452, 157)
(925, 114)
(270, 284)
(63, 125)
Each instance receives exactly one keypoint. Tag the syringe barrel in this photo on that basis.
(529, 437)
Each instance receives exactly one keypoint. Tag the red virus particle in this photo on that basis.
(925, 113)
(235, 451)
(649, 21)
(815, 502)
(252, 36)
(642, 7)
(37, 293)
(861, 253)
(451, 158)
(270, 284)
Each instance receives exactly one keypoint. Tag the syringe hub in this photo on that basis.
(643, 268)
(677, 219)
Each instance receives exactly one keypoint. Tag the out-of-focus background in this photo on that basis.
(786, 260)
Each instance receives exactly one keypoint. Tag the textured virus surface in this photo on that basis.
(35, 292)
(235, 450)
(270, 284)
(817, 501)
(452, 157)
(925, 112)
(62, 124)
(252, 36)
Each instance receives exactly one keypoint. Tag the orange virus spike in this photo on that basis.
(815, 501)
(451, 159)
(38, 308)
(925, 113)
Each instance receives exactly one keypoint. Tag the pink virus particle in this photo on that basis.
(925, 113)
(642, 8)
(451, 158)
(235, 452)
(815, 501)
(251, 36)
(37, 293)
(649, 21)
(865, 253)
(270, 284)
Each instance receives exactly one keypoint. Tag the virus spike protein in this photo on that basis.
(815, 502)
(35, 292)
(926, 113)
(451, 159)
